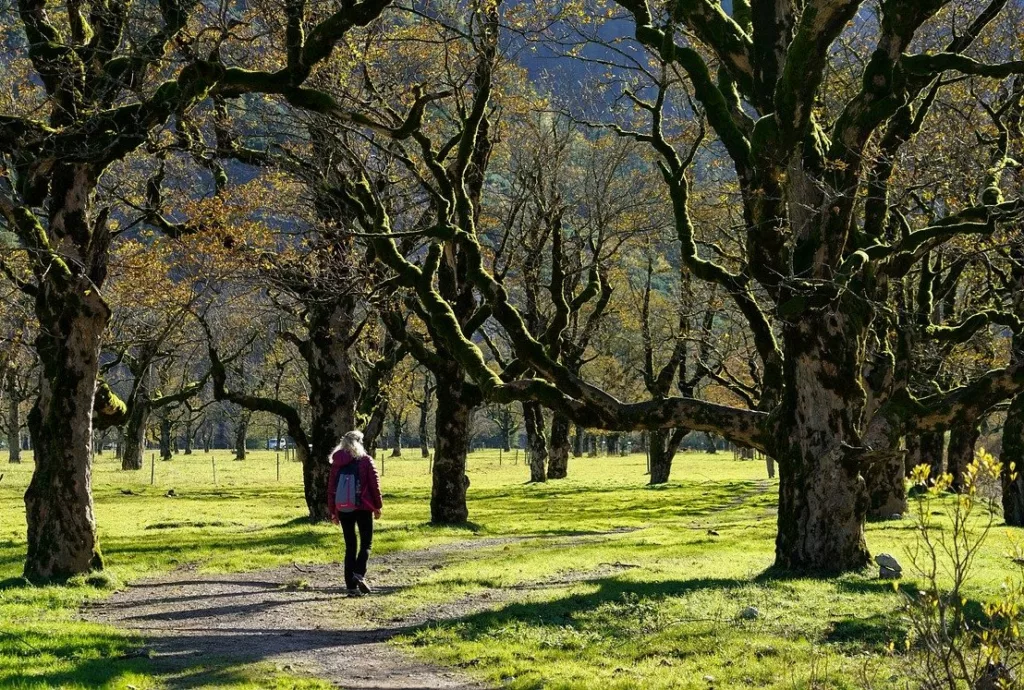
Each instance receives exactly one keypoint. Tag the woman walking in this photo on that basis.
(353, 500)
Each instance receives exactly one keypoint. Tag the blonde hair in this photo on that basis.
(352, 443)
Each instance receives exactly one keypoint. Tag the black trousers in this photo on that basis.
(356, 555)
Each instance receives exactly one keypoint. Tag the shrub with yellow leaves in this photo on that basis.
(954, 641)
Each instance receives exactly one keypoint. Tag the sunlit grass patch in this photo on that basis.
(593, 581)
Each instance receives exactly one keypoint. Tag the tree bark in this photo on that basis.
(396, 431)
(822, 497)
(72, 316)
(165, 437)
(189, 437)
(241, 436)
(13, 421)
(578, 443)
(613, 445)
(925, 449)
(451, 445)
(663, 445)
(1012, 459)
(885, 479)
(960, 454)
(558, 456)
(424, 418)
(593, 446)
(333, 396)
(134, 436)
(536, 445)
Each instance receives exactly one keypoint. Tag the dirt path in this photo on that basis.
(195, 624)
(198, 626)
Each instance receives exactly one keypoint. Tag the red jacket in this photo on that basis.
(369, 491)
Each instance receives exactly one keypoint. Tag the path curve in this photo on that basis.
(292, 616)
(295, 617)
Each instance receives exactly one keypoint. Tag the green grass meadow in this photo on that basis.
(610, 583)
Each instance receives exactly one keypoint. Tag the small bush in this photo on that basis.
(955, 642)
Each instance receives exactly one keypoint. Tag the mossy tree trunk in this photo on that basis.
(536, 444)
(134, 437)
(579, 442)
(823, 501)
(1012, 459)
(58, 503)
(72, 319)
(424, 408)
(455, 405)
(333, 396)
(663, 445)
(558, 456)
(885, 480)
(926, 448)
(165, 437)
(960, 453)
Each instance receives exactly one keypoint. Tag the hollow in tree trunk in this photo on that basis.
(822, 497)
(451, 445)
(536, 445)
(1012, 459)
(960, 454)
(662, 447)
(558, 455)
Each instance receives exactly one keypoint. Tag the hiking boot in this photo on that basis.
(362, 584)
(354, 592)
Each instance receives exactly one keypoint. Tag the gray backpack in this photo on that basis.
(346, 496)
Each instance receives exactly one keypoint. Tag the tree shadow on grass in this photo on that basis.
(14, 583)
(564, 610)
(874, 586)
(877, 630)
(774, 573)
(468, 526)
(94, 658)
